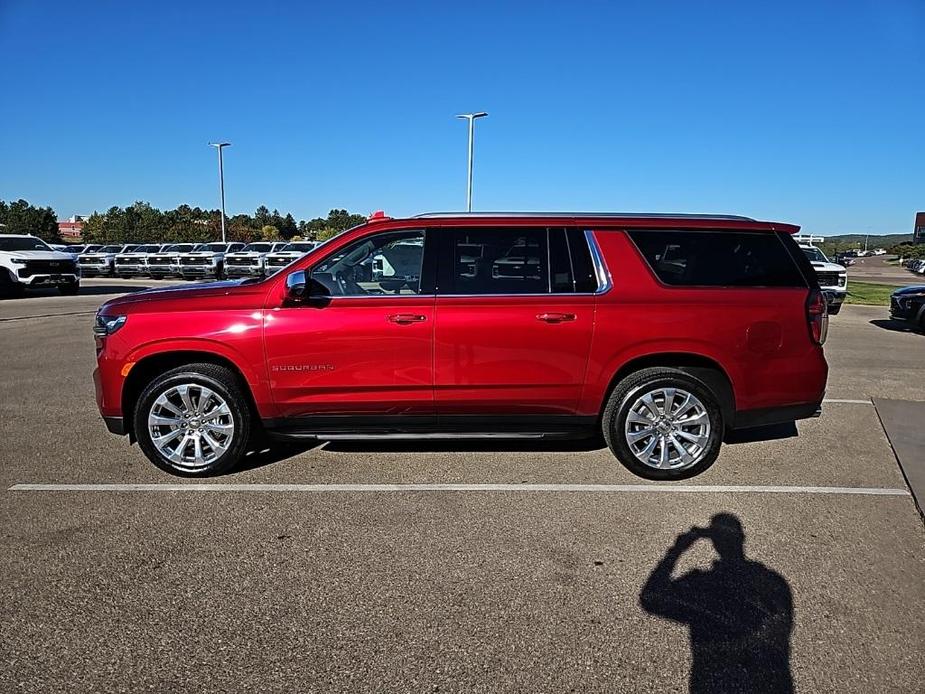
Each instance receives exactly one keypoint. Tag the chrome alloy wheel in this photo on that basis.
(191, 426)
(667, 429)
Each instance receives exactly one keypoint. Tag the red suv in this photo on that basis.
(664, 332)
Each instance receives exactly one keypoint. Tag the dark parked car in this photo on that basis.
(908, 304)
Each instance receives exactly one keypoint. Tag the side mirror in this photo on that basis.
(296, 287)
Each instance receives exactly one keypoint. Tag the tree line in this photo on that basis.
(143, 223)
(19, 217)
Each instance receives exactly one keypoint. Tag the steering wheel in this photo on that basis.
(346, 285)
(341, 279)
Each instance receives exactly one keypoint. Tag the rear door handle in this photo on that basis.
(406, 318)
(556, 317)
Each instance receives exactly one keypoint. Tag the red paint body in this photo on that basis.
(482, 355)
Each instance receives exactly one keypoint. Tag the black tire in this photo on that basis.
(12, 290)
(224, 383)
(833, 310)
(69, 289)
(636, 385)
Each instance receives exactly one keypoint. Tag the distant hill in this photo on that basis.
(874, 241)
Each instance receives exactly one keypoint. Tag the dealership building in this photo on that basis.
(918, 231)
(70, 229)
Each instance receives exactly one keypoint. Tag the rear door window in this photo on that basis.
(515, 261)
(718, 258)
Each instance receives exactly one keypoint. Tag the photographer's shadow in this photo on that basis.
(739, 612)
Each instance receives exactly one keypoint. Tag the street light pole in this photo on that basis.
(221, 179)
(471, 118)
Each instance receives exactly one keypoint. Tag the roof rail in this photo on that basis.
(602, 215)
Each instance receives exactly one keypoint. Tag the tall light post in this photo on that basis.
(221, 179)
(471, 118)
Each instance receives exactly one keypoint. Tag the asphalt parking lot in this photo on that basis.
(520, 577)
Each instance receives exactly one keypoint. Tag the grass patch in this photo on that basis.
(869, 294)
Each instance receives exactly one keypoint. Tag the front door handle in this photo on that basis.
(556, 317)
(406, 318)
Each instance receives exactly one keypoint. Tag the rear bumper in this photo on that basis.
(766, 416)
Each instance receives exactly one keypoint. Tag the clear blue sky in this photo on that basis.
(810, 112)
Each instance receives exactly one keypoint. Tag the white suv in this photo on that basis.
(27, 261)
(833, 279)
(250, 262)
(206, 260)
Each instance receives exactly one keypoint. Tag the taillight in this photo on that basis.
(817, 315)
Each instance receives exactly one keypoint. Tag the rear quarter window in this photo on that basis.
(718, 258)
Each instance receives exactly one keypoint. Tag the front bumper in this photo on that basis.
(131, 269)
(163, 270)
(905, 310)
(50, 280)
(199, 271)
(834, 297)
(244, 271)
(95, 270)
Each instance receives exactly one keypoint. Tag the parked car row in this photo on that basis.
(915, 265)
(188, 260)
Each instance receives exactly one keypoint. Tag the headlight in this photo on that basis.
(17, 261)
(842, 280)
(107, 325)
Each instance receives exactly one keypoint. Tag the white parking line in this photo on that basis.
(840, 401)
(349, 488)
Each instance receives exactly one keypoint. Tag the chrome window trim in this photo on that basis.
(601, 273)
(604, 283)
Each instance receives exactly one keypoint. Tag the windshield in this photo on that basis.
(303, 246)
(259, 247)
(22, 243)
(815, 255)
(75, 249)
(215, 247)
(180, 247)
(110, 249)
(147, 249)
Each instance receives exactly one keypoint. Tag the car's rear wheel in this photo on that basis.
(193, 421)
(663, 424)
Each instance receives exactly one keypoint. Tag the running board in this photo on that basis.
(414, 437)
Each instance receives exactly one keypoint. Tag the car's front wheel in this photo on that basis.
(663, 424)
(193, 420)
(69, 288)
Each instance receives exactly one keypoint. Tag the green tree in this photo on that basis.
(326, 233)
(262, 217)
(20, 217)
(269, 233)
